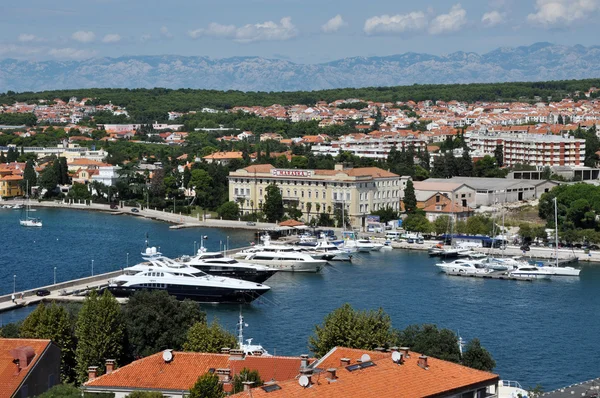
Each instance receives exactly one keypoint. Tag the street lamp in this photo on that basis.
(55, 275)
(128, 259)
(14, 284)
(194, 247)
(92, 267)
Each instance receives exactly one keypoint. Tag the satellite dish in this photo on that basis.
(303, 381)
(396, 356)
(167, 356)
(365, 358)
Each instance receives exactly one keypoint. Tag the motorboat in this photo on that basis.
(558, 270)
(330, 252)
(249, 348)
(352, 242)
(463, 266)
(216, 263)
(531, 271)
(285, 261)
(17, 207)
(387, 245)
(435, 251)
(367, 242)
(183, 282)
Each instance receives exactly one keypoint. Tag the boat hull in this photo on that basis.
(200, 294)
(291, 266)
(257, 276)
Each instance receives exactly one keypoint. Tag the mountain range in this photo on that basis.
(538, 62)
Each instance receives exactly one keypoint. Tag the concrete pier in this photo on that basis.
(70, 291)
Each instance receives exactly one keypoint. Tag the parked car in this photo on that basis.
(135, 210)
(251, 223)
(42, 292)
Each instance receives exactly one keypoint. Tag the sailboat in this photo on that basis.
(555, 268)
(29, 221)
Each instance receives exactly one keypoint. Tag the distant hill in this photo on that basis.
(538, 62)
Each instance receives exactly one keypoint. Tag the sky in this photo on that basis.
(303, 31)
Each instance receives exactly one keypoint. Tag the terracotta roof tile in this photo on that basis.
(9, 379)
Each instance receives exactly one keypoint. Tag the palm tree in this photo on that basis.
(308, 209)
(318, 207)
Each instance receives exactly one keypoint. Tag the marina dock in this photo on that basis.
(70, 291)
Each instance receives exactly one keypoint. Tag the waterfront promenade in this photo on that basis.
(70, 291)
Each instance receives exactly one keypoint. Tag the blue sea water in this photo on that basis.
(541, 332)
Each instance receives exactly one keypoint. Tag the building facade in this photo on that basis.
(107, 175)
(359, 190)
(531, 149)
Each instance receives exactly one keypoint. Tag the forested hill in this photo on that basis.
(540, 61)
(162, 100)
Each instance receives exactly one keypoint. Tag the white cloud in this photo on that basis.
(164, 31)
(111, 38)
(70, 53)
(334, 24)
(493, 18)
(83, 36)
(26, 37)
(551, 13)
(451, 22)
(265, 31)
(18, 51)
(401, 23)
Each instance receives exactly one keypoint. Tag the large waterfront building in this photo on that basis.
(361, 190)
(68, 151)
(530, 149)
(373, 146)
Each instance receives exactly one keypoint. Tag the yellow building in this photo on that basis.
(10, 185)
(361, 190)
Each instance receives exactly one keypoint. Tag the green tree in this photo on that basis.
(202, 337)
(477, 357)
(410, 199)
(99, 331)
(202, 182)
(55, 323)
(62, 391)
(442, 225)
(293, 212)
(145, 394)
(29, 177)
(346, 327)
(229, 211)
(273, 205)
(2, 157)
(207, 386)
(48, 180)
(246, 375)
(386, 214)
(10, 330)
(155, 321)
(187, 176)
(417, 222)
(488, 167)
(79, 191)
(499, 155)
(429, 340)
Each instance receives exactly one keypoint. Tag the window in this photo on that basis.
(347, 195)
(437, 199)
(302, 193)
(235, 191)
(309, 194)
(260, 192)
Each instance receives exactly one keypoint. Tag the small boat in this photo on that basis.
(462, 265)
(330, 252)
(29, 221)
(17, 207)
(387, 245)
(530, 271)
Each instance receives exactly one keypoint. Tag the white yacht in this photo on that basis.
(531, 271)
(285, 261)
(29, 221)
(351, 242)
(215, 263)
(375, 247)
(330, 252)
(462, 265)
(183, 281)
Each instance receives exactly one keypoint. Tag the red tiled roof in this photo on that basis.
(10, 380)
(290, 223)
(153, 373)
(385, 379)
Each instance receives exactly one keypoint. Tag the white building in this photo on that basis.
(107, 175)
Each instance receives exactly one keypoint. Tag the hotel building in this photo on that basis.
(361, 190)
(529, 149)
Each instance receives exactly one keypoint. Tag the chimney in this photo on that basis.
(247, 385)
(92, 372)
(331, 374)
(394, 348)
(345, 361)
(423, 362)
(236, 355)
(405, 351)
(223, 374)
(22, 357)
(303, 361)
(110, 366)
(225, 350)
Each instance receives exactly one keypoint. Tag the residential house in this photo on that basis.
(270, 136)
(174, 373)
(28, 367)
(460, 193)
(345, 372)
(223, 158)
(107, 175)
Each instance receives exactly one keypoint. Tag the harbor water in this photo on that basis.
(538, 332)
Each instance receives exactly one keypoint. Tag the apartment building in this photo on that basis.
(365, 146)
(360, 190)
(534, 150)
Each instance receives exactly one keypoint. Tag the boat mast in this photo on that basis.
(556, 228)
(241, 330)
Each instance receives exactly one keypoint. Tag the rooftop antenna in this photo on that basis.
(241, 326)
(461, 344)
